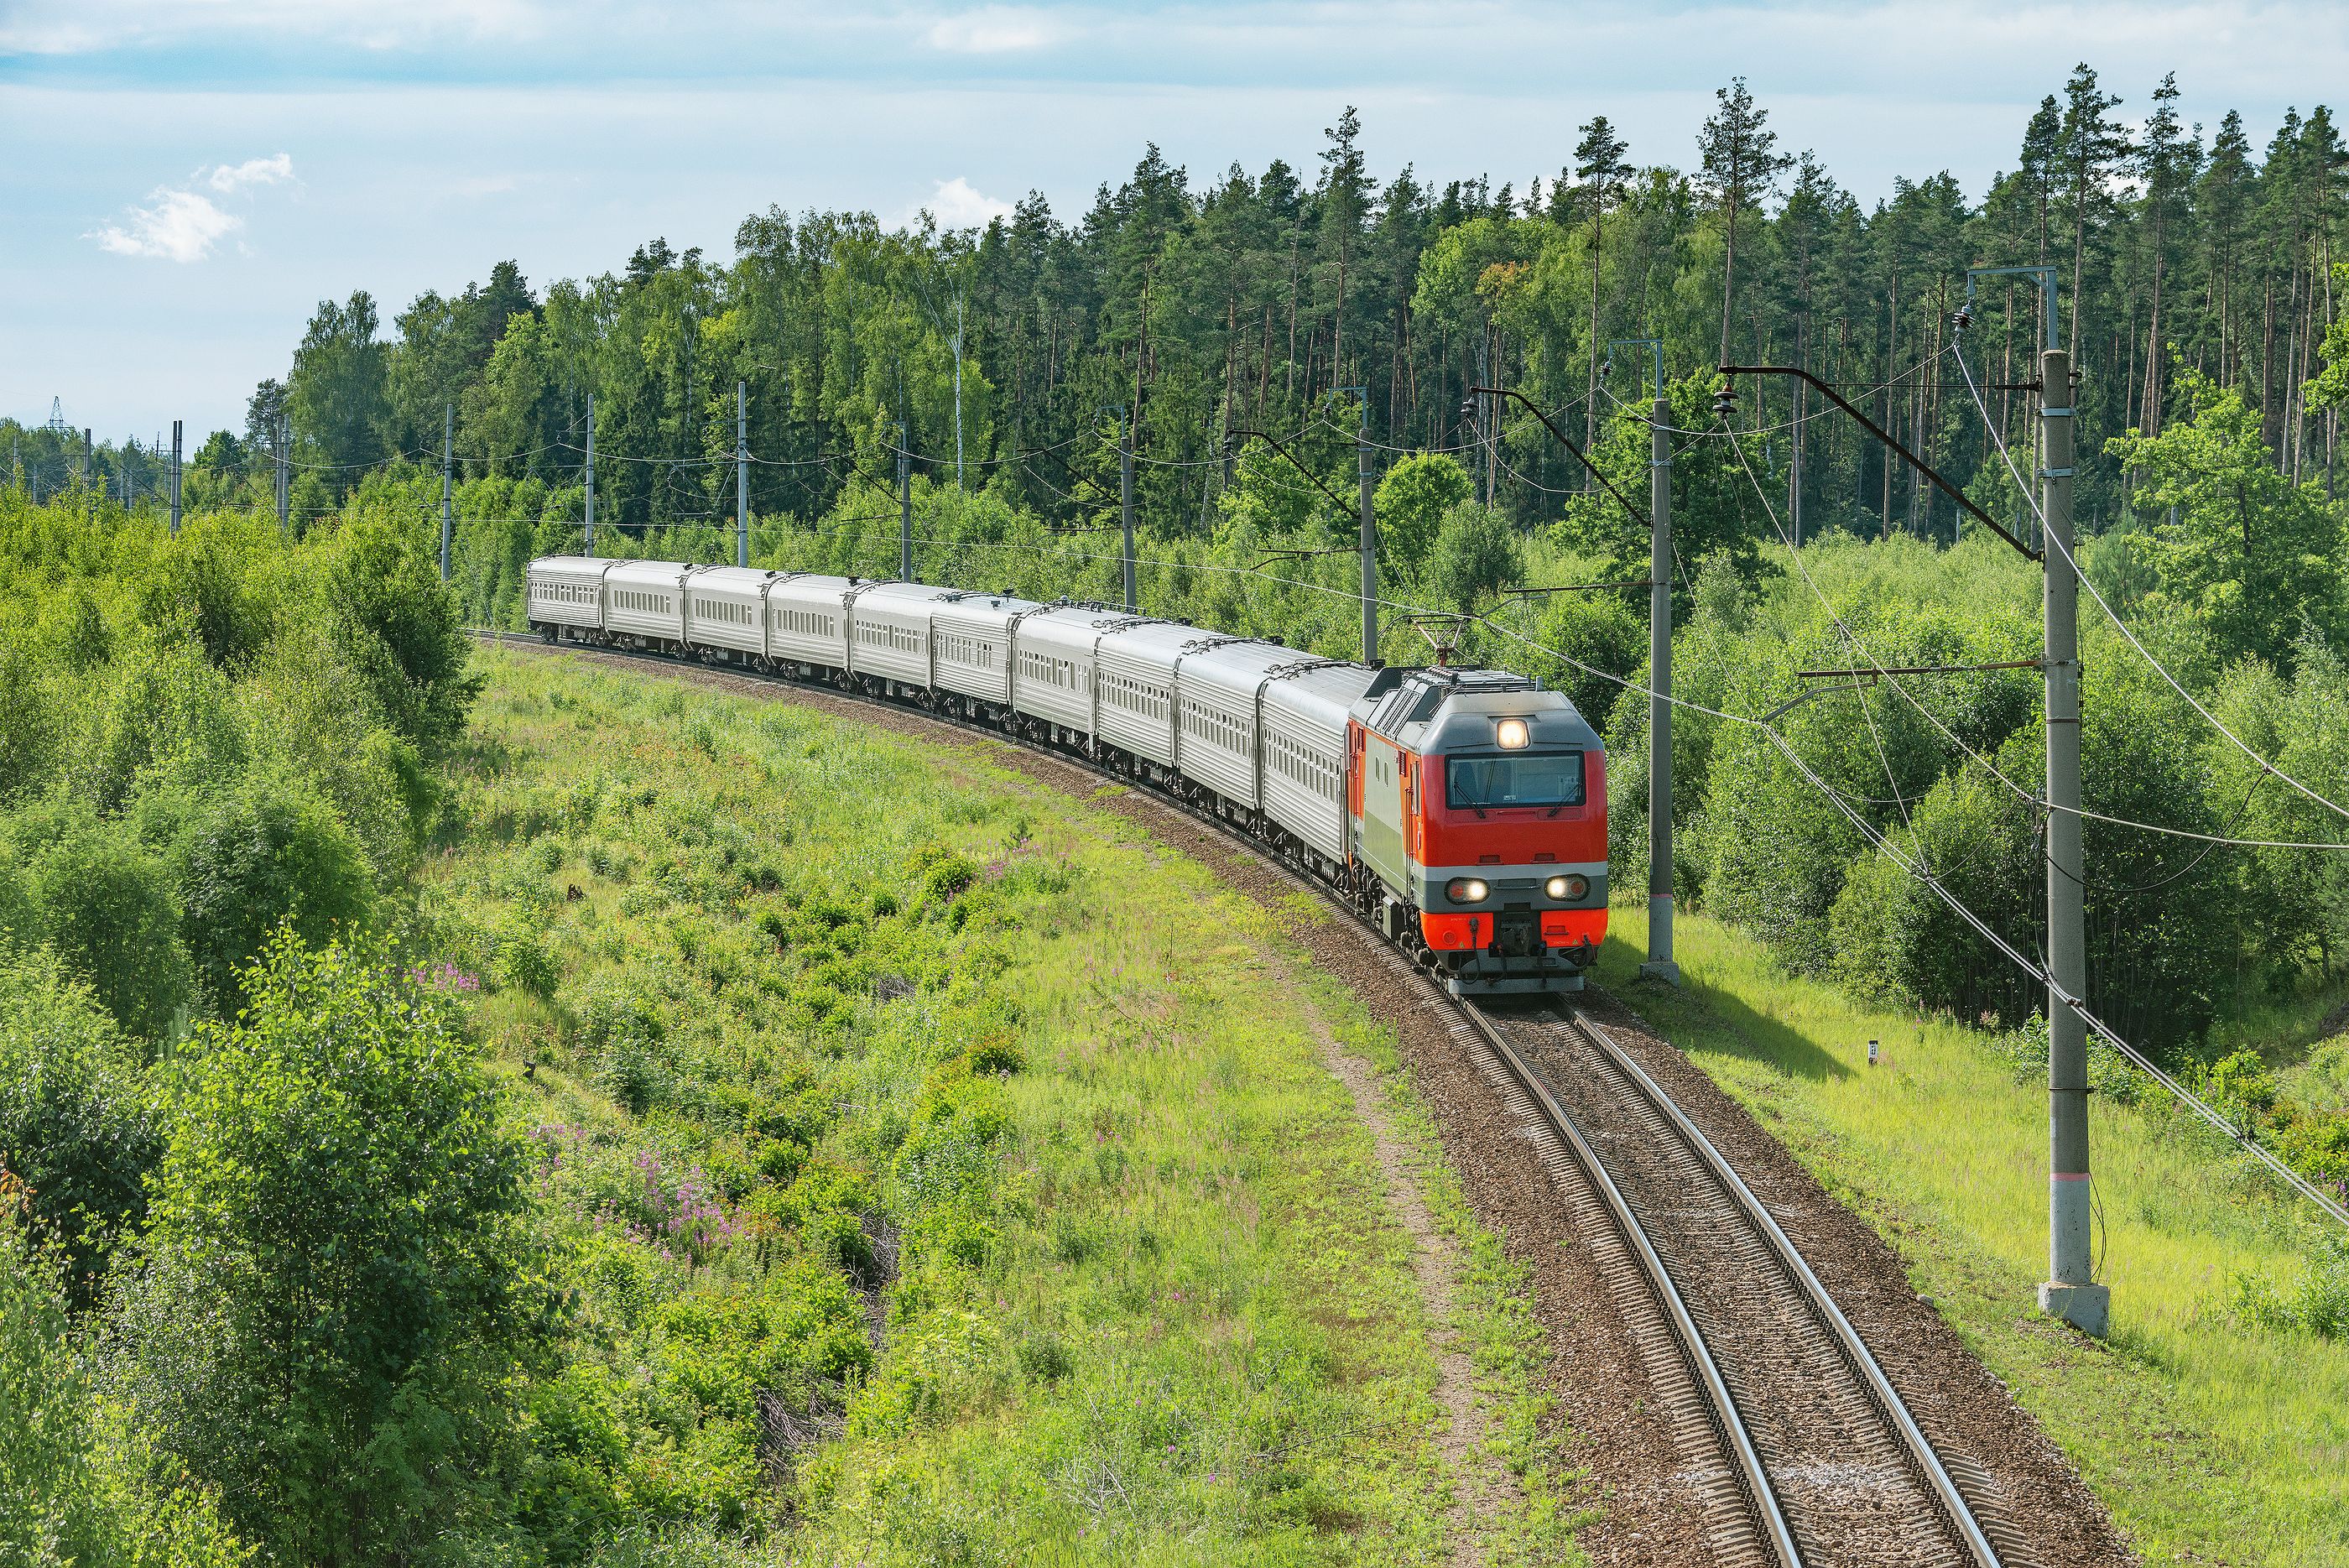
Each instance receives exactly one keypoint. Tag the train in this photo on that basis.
(1462, 811)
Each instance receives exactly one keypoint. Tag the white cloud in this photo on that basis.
(252, 171)
(181, 227)
(956, 205)
(994, 30)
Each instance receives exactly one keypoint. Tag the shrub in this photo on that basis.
(104, 902)
(1411, 502)
(950, 879)
(400, 630)
(76, 1487)
(525, 964)
(328, 1302)
(75, 1125)
(266, 857)
(1475, 554)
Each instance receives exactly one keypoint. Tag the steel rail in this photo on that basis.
(1855, 1350)
(1753, 1480)
(1752, 1475)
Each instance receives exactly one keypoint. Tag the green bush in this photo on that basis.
(269, 855)
(104, 902)
(1475, 553)
(76, 1126)
(75, 1486)
(394, 624)
(330, 1300)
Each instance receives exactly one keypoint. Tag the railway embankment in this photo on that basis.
(946, 1168)
(2212, 1431)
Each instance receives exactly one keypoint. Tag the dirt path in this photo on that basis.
(1478, 1484)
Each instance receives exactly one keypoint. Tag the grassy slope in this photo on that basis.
(2210, 1440)
(1154, 1309)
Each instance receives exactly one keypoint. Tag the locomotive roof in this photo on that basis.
(1445, 709)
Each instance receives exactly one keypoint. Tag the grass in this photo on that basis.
(776, 993)
(2211, 1438)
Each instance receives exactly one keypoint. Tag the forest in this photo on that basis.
(270, 878)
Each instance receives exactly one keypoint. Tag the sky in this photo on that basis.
(185, 181)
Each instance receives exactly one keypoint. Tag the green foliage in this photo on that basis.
(1412, 500)
(104, 901)
(400, 631)
(2253, 558)
(75, 1486)
(270, 855)
(76, 1126)
(329, 1295)
(1476, 555)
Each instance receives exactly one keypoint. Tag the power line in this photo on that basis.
(2113, 616)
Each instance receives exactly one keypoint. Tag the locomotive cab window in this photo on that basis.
(1520, 779)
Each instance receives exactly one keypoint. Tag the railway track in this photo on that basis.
(1800, 1449)
(1814, 1458)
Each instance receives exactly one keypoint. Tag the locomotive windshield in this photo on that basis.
(1551, 778)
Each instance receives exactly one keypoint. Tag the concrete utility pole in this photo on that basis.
(904, 508)
(1660, 962)
(1125, 508)
(88, 458)
(284, 490)
(591, 476)
(1369, 527)
(742, 473)
(448, 452)
(1795, 480)
(175, 479)
(2070, 1290)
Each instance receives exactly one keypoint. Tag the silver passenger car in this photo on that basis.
(566, 591)
(724, 607)
(1303, 751)
(1134, 671)
(645, 599)
(971, 643)
(889, 631)
(1217, 698)
(1052, 667)
(807, 620)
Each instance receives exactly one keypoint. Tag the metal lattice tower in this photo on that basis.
(57, 425)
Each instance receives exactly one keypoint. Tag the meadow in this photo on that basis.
(946, 1172)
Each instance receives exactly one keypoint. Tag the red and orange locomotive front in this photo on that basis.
(1478, 808)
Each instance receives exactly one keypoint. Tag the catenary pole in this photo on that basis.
(904, 508)
(88, 458)
(590, 513)
(742, 473)
(2070, 1291)
(448, 451)
(1660, 961)
(284, 490)
(175, 479)
(1370, 541)
(1125, 506)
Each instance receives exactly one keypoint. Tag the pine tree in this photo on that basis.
(1600, 168)
(1742, 165)
(2091, 144)
(2166, 158)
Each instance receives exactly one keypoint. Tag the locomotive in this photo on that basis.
(1464, 811)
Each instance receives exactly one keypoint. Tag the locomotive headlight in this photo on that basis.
(1467, 890)
(1512, 735)
(1569, 887)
